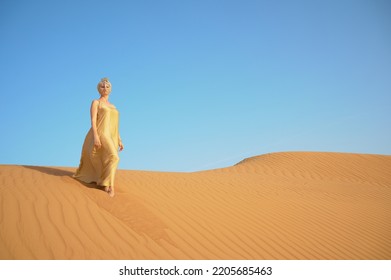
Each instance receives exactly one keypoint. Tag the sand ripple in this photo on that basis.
(296, 205)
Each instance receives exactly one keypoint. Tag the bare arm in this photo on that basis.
(94, 116)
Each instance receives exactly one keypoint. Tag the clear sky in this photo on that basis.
(200, 84)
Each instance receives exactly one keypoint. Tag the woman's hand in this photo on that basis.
(97, 143)
(120, 145)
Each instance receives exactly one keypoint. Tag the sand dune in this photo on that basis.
(296, 205)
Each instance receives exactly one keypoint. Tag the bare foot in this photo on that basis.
(111, 191)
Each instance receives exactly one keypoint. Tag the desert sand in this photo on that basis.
(293, 205)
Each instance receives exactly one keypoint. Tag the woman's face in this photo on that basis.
(104, 89)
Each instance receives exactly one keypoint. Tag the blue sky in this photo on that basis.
(199, 84)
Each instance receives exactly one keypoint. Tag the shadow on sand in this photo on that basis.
(50, 170)
(62, 173)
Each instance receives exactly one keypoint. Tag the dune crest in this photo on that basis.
(293, 205)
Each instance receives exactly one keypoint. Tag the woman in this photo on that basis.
(99, 157)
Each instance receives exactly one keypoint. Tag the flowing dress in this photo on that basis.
(100, 165)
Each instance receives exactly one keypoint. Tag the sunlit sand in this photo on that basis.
(294, 205)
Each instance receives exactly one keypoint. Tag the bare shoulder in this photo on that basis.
(95, 103)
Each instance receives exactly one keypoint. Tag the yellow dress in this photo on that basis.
(100, 165)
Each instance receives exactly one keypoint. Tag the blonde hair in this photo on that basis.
(103, 80)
